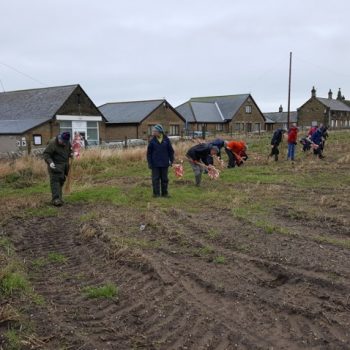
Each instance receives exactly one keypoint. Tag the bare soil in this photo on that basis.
(201, 280)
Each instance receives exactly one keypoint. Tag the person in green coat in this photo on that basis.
(56, 155)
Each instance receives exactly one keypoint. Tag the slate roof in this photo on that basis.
(128, 112)
(282, 117)
(24, 109)
(212, 109)
(334, 105)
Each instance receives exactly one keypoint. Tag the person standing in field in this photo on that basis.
(275, 142)
(160, 155)
(198, 156)
(236, 152)
(56, 155)
(292, 141)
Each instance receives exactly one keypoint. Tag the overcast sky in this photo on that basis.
(148, 49)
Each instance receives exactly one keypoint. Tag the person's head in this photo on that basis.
(214, 150)
(63, 138)
(294, 125)
(157, 130)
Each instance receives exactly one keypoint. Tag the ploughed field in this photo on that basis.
(259, 259)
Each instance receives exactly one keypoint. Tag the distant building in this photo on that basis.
(232, 113)
(135, 119)
(334, 113)
(280, 118)
(30, 118)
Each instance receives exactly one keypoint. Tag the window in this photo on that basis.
(237, 126)
(219, 127)
(174, 130)
(37, 140)
(92, 135)
(65, 126)
(150, 127)
(249, 127)
(248, 109)
(257, 127)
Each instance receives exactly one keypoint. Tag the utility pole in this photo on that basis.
(289, 87)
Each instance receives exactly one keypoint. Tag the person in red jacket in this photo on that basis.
(292, 141)
(236, 152)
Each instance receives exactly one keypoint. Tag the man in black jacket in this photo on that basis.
(56, 155)
(275, 142)
(198, 157)
(160, 155)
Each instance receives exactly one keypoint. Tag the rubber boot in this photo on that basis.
(198, 179)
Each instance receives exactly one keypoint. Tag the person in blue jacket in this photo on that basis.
(160, 155)
(317, 139)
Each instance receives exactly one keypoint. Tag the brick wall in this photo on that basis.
(312, 110)
(163, 116)
(249, 120)
(118, 132)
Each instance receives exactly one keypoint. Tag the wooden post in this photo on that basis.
(126, 142)
(289, 87)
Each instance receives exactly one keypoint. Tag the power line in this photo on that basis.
(24, 74)
(2, 85)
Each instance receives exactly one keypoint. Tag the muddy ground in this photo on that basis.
(183, 284)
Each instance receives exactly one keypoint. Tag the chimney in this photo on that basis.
(280, 109)
(330, 94)
(339, 96)
(313, 92)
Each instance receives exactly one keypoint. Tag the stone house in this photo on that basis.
(231, 113)
(30, 118)
(280, 118)
(335, 113)
(135, 119)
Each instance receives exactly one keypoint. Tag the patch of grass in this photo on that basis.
(55, 257)
(39, 263)
(13, 283)
(88, 217)
(13, 340)
(6, 245)
(343, 243)
(99, 195)
(270, 228)
(220, 259)
(213, 234)
(42, 212)
(108, 291)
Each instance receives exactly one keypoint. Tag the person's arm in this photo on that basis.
(171, 152)
(48, 153)
(149, 154)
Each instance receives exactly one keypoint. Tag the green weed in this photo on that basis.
(42, 212)
(220, 259)
(55, 257)
(107, 291)
(13, 283)
(13, 340)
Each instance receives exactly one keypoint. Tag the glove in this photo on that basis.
(52, 165)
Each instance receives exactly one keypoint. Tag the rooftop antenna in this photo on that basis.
(289, 87)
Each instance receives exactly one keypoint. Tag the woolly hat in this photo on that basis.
(64, 137)
(158, 128)
(215, 148)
